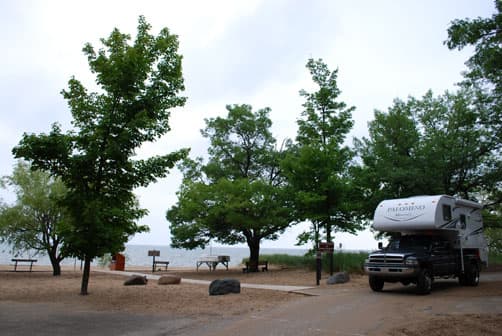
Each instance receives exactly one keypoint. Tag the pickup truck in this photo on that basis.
(418, 259)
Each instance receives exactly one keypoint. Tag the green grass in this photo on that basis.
(351, 262)
(495, 258)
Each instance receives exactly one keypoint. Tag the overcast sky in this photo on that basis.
(234, 52)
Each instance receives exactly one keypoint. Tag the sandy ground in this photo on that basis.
(107, 293)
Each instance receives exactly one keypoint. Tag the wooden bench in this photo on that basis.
(262, 263)
(159, 262)
(17, 260)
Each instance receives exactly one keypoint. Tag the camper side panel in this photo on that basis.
(470, 227)
(415, 214)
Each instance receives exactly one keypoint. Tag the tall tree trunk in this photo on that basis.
(55, 261)
(56, 266)
(254, 253)
(85, 276)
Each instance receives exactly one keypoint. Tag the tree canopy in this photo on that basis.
(484, 73)
(138, 83)
(485, 34)
(432, 145)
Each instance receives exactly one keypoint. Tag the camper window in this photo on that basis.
(463, 222)
(446, 212)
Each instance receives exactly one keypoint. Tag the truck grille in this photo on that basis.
(386, 258)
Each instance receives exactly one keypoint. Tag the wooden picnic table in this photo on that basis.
(21, 260)
(213, 261)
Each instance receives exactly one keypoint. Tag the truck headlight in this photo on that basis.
(411, 261)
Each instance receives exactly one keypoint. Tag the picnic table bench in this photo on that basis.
(160, 262)
(213, 261)
(262, 263)
(155, 263)
(20, 260)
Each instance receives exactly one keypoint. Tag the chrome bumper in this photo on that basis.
(390, 270)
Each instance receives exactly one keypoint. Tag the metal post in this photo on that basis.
(318, 267)
(331, 264)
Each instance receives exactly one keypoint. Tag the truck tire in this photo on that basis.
(424, 282)
(405, 282)
(376, 283)
(471, 276)
(461, 279)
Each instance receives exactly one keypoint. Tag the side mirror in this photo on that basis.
(380, 245)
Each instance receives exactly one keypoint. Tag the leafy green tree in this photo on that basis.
(389, 157)
(492, 213)
(238, 196)
(36, 221)
(318, 164)
(485, 34)
(459, 151)
(433, 145)
(138, 83)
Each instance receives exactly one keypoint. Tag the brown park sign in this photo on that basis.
(153, 253)
(326, 247)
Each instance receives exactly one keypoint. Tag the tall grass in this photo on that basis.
(343, 261)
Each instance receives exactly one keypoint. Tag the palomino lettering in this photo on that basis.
(407, 208)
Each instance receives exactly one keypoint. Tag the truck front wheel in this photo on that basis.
(471, 276)
(376, 283)
(424, 282)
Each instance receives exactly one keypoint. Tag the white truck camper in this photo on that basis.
(432, 236)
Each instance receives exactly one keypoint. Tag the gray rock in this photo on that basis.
(340, 277)
(136, 280)
(225, 286)
(169, 280)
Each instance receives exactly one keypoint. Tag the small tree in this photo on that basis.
(139, 83)
(36, 221)
(317, 166)
(238, 196)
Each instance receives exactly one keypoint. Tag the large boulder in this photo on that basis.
(225, 286)
(136, 280)
(169, 280)
(337, 278)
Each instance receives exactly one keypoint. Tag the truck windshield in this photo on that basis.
(414, 243)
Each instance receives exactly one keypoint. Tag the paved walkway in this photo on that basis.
(290, 289)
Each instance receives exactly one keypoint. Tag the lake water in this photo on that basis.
(137, 255)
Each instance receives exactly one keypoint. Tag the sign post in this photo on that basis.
(324, 247)
(153, 253)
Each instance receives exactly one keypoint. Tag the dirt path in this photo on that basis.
(396, 311)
